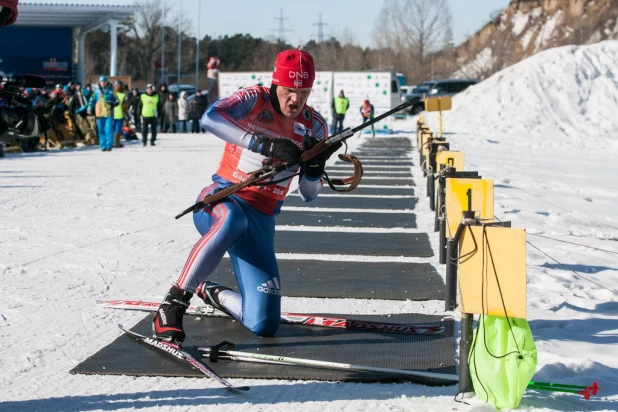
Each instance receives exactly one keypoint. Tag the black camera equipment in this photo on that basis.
(16, 117)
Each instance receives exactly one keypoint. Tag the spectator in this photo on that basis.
(148, 108)
(197, 107)
(183, 111)
(162, 99)
(340, 107)
(40, 110)
(133, 108)
(102, 104)
(170, 110)
(366, 111)
(119, 112)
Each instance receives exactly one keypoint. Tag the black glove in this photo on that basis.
(314, 167)
(276, 148)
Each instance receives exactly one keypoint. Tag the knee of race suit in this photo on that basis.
(266, 327)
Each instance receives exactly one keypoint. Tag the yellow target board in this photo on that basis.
(438, 104)
(492, 271)
(467, 194)
(453, 159)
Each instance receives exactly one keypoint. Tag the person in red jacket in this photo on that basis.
(367, 112)
(258, 124)
(8, 12)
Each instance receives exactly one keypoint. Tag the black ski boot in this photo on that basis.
(167, 324)
(208, 292)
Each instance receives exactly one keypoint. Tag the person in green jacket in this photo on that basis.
(149, 105)
(119, 111)
(340, 107)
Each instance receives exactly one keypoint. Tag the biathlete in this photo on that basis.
(258, 124)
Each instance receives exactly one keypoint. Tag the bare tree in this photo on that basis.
(413, 29)
(145, 29)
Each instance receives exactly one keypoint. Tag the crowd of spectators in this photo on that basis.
(74, 113)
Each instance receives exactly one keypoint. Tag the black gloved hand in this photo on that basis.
(276, 148)
(314, 167)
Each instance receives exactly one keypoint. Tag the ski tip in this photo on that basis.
(240, 388)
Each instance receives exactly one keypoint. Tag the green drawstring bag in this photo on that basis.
(502, 360)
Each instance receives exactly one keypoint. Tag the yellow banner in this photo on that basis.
(478, 194)
(492, 271)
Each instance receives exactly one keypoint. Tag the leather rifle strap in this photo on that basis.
(353, 181)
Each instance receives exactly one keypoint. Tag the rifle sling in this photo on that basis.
(353, 181)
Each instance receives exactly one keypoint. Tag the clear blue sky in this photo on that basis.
(259, 19)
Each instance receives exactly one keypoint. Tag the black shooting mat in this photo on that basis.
(340, 174)
(387, 141)
(384, 181)
(355, 280)
(431, 353)
(348, 202)
(370, 172)
(373, 168)
(347, 219)
(353, 243)
(375, 191)
(380, 162)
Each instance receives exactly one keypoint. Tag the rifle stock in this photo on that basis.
(321, 146)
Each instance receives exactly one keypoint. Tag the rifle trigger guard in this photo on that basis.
(353, 181)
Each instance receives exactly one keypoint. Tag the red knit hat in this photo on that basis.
(294, 68)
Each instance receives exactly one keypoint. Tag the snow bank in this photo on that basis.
(563, 97)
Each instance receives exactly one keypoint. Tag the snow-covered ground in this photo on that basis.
(81, 225)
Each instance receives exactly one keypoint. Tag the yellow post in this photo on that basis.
(438, 104)
(440, 110)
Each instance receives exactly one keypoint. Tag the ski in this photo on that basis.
(292, 318)
(177, 352)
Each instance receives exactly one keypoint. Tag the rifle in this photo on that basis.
(270, 171)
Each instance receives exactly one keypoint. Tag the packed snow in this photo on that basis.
(81, 225)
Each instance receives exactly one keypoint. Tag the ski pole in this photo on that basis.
(585, 392)
(593, 388)
(214, 353)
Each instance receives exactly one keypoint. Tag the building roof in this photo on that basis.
(86, 17)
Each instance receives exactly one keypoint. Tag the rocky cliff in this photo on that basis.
(526, 27)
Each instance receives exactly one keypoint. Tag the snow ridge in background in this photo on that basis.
(561, 98)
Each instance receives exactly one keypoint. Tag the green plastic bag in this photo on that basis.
(498, 379)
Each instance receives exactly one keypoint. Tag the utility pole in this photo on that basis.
(320, 25)
(179, 47)
(281, 28)
(162, 41)
(197, 46)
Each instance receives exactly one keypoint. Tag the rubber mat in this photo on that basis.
(373, 168)
(353, 243)
(433, 353)
(348, 202)
(371, 172)
(381, 162)
(354, 280)
(337, 174)
(375, 191)
(346, 219)
(370, 180)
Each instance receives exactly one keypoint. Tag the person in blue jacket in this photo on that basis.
(102, 104)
